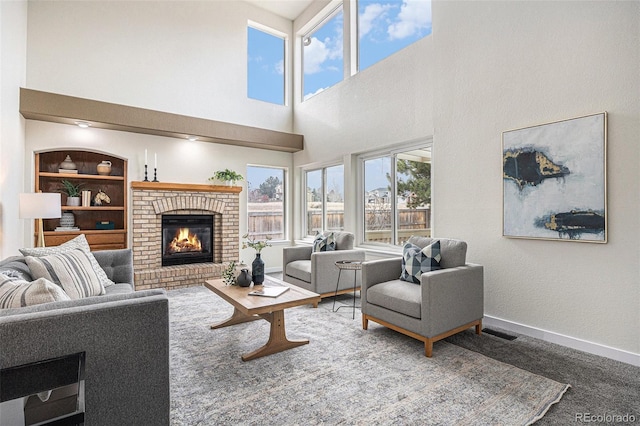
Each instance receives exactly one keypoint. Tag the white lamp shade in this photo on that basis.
(40, 205)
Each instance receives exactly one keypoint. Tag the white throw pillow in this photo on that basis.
(79, 242)
(17, 293)
(70, 270)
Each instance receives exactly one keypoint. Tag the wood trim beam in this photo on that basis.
(56, 108)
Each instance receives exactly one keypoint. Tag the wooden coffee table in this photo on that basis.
(250, 308)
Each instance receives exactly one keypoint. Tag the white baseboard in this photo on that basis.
(568, 341)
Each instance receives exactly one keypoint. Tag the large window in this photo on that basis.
(397, 196)
(325, 199)
(265, 65)
(384, 27)
(323, 59)
(266, 202)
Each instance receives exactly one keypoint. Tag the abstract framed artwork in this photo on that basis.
(554, 180)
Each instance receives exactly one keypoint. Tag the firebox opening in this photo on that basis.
(187, 239)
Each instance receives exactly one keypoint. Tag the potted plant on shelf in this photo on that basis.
(72, 191)
(257, 267)
(226, 176)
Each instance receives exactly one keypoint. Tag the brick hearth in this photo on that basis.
(153, 199)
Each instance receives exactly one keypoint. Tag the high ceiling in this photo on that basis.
(289, 9)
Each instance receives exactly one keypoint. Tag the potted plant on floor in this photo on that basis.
(72, 191)
(226, 177)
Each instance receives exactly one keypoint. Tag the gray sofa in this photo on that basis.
(124, 335)
(447, 301)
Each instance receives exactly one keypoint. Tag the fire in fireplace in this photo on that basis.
(187, 239)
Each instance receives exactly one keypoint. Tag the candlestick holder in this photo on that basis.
(145, 174)
(155, 175)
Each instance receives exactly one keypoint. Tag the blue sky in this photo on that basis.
(385, 26)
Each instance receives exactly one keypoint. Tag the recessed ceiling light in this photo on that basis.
(82, 124)
(192, 138)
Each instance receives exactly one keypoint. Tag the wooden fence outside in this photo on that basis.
(410, 222)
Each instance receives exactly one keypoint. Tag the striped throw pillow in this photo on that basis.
(78, 242)
(17, 293)
(70, 270)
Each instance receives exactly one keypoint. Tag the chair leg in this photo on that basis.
(365, 322)
(428, 348)
(479, 328)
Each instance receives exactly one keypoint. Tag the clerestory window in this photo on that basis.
(266, 64)
(322, 54)
(385, 27)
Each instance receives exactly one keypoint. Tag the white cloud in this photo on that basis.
(308, 95)
(414, 16)
(314, 55)
(372, 13)
(318, 52)
(280, 67)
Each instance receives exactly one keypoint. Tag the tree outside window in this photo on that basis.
(397, 197)
(266, 202)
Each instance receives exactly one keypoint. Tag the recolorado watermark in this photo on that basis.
(605, 418)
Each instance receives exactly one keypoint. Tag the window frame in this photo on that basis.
(393, 151)
(285, 202)
(323, 169)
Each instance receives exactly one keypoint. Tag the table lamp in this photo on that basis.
(40, 205)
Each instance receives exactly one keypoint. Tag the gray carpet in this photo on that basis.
(600, 387)
(344, 376)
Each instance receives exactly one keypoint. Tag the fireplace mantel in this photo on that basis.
(190, 187)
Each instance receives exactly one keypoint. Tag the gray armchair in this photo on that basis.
(317, 272)
(447, 301)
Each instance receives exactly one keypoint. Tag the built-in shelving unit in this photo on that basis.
(48, 179)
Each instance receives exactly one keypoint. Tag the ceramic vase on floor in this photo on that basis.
(257, 270)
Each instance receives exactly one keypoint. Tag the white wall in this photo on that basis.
(495, 66)
(183, 57)
(13, 51)
(187, 58)
(505, 65)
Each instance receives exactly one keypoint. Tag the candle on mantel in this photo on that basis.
(145, 157)
(155, 164)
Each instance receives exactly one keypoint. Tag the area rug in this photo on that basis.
(345, 375)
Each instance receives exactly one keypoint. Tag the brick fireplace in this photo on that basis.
(152, 200)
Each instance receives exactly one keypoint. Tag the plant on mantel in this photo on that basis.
(227, 176)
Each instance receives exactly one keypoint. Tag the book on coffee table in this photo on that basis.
(269, 291)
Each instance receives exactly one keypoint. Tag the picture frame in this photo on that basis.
(554, 180)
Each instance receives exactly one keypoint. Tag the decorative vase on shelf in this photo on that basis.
(67, 164)
(244, 279)
(104, 168)
(67, 220)
(73, 201)
(257, 270)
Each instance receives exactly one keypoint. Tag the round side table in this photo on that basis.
(349, 265)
